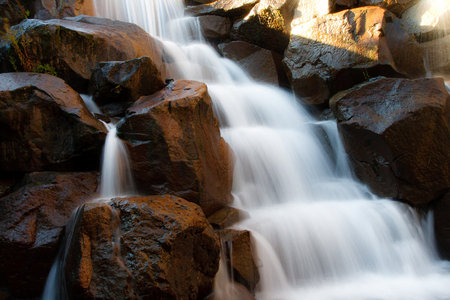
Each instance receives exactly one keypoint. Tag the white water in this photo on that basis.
(319, 234)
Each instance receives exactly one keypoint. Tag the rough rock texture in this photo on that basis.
(46, 126)
(261, 64)
(50, 9)
(32, 219)
(226, 217)
(242, 262)
(72, 47)
(395, 6)
(397, 134)
(336, 51)
(442, 225)
(116, 84)
(13, 11)
(155, 247)
(215, 27)
(175, 146)
(226, 8)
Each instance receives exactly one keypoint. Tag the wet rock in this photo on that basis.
(32, 219)
(436, 55)
(116, 84)
(226, 217)
(442, 225)
(397, 134)
(261, 64)
(398, 7)
(155, 247)
(175, 146)
(240, 257)
(336, 51)
(46, 126)
(72, 47)
(226, 8)
(215, 27)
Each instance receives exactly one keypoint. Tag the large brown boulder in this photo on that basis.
(441, 212)
(225, 8)
(51, 9)
(32, 219)
(215, 27)
(72, 47)
(334, 52)
(155, 247)
(397, 134)
(46, 126)
(175, 145)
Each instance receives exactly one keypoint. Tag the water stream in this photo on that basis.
(318, 233)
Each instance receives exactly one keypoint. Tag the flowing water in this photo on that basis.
(318, 233)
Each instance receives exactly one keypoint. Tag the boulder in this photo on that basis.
(116, 84)
(32, 219)
(13, 12)
(215, 27)
(436, 55)
(441, 212)
(226, 217)
(46, 126)
(51, 9)
(175, 146)
(336, 51)
(398, 7)
(308, 10)
(155, 247)
(261, 64)
(72, 47)
(226, 8)
(397, 134)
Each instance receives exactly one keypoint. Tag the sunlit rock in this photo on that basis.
(336, 51)
(397, 134)
(395, 6)
(175, 146)
(226, 8)
(50, 9)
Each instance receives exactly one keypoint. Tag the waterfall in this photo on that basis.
(318, 232)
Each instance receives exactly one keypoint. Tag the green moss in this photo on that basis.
(46, 69)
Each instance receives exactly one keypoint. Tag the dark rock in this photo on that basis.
(436, 55)
(175, 146)
(32, 219)
(397, 134)
(155, 247)
(336, 51)
(226, 8)
(215, 27)
(116, 84)
(46, 126)
(13, 12)
(442, 225)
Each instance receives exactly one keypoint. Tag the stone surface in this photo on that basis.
(215, 27)
(32, 219)
(436, 55)
(336, 51)
(13, 12)
(428, 20)
(398, 7)
(175, 146)
(441, 212)
(261, 64)
(46, 126)
(51, 9)
(155, 247)
(397, 134)
(72, 47)
(227, 8)
(116, 84)
(226, 217)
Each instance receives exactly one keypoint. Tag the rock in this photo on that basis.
(215, 27)
(155, 247)
(397, 134)
(428, 20)
(32, 219)
(46, 126)
(238, 244)
(13, 12)
(398, 7)
(441, 212)
(175, 146)
(336, 51)
(261, 64)
(226, 217)
(226, 8)
(116, 84)
(71, 48)
(436, 55)
(308, 10)
(50, 9)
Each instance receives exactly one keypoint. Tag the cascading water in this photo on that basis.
(319, 234)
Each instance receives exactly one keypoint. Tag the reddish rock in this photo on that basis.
(32, 219)
(442, 225)
(46, 126)
(225, 8)
(51, 9)
(74, 46)
(226, 217)
(395, 6)
(336, 51)
(155, 247)
(175, 146)
(397, 134)
(215, 27)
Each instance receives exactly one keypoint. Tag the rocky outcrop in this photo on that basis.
(51, 9)
(336, 51)
(215, 27)
(261, 64)
(46, 126)
(32, 219)
(397, 134)
(441, 212)
(175, 146)
(226, 8)
(398, 7)
(116, 84)
(72, 47)
(156, 247)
